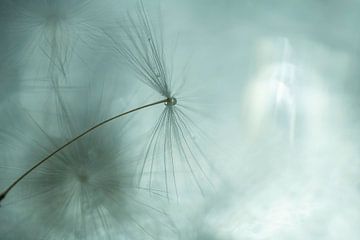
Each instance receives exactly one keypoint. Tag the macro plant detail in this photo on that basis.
(179, 120)
(143, 49)
(84, 177)
(171, 132)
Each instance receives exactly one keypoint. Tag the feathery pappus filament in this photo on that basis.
(171, 148)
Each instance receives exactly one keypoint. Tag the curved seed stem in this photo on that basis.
(4, 193)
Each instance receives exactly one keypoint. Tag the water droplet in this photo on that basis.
(171, 101)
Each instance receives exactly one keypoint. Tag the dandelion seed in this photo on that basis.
(171, 137)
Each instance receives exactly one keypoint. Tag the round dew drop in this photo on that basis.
(171, 101)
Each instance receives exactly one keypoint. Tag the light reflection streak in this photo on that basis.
(271, 97)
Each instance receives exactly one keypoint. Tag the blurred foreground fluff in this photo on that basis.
(280, 160)
(86, 191)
